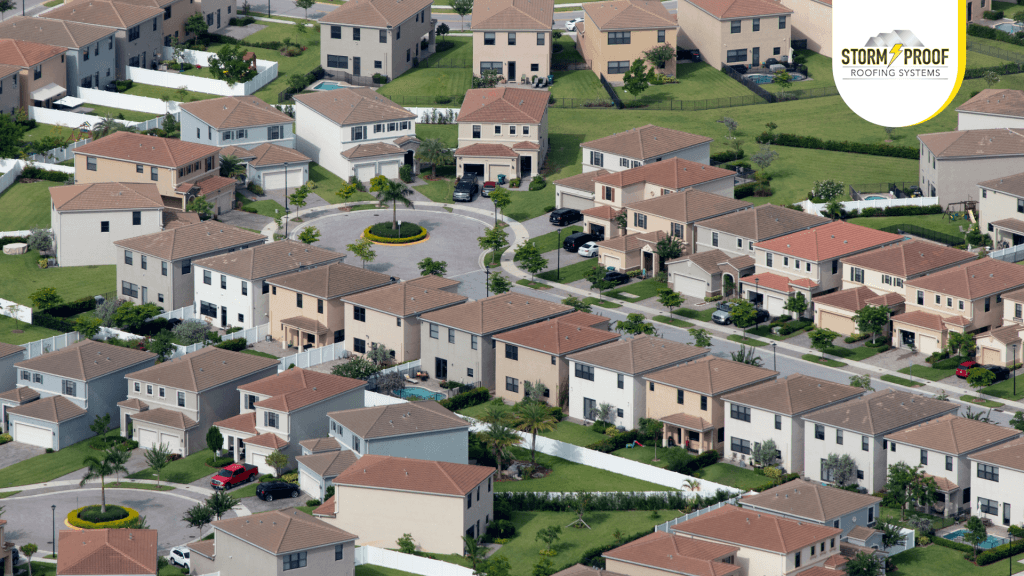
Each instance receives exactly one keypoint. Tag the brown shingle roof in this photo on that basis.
(709, 261)
(861, 533)
(496, 314)
(267, 260)
(103, 13)
(376, 13)
(267, 440)
(712, 376)
(244, 422)
(405, 299)
(398, 419)
(953, 435)
(1009, 455)
(333, 280)
(318, 445)
(132, 147)
(203, 369)
(639, 354)
(631, 242)
(922, 319)
(995, 101)
(521, 105)
(353, 105)
(305, 324)
(298, 388)
(329, 464)
(851, 299)
(764, 531)
(283, 531)
(326, 509)
(513, 15)
(411, 475)
(204, 547)
(175, 219)
(191, 241)
(557, 337)
(975, 143)
(26, 54)
(943, 484)
(584, 181)
(435, 282)
(268, 154)
(1011, 224)
(166, 417)
(1013, 185)
(10, 349)
(832, 240)
(85, 360)
(687, 421)
(21, 394)
(236, 112)
(134, 404)
(487, 150)
(106, 196)
(238, 152)
(881, 412)
(973, 280)
(794, 394)
(373, 149)
(602, 212)
(725, 9)
(629, 15)
(909, 258)
(675, 174)
(108, 552)
(50, 409)
(526, 146)
(8, 70)
(1006, 334)
(583, 319)
(56, 32)
(673, 553)
(810, 500)
(688, 205)
(646, 141)
(764, 222)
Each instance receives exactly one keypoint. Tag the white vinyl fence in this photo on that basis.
(51, 344)
(371, 399)
(402, 369)
(908, 543)
(408, 562)
(267, 72)
(667, 526)
(314, 356)
(85, 121)
(817, 209)
(128, 101)
(186, 313)
(10, 177)
(16, 232)
(1011, 254)
(12, 170)
(15, 310)
(60, 154)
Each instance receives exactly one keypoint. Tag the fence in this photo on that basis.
(611, 91)
(51, 344)
(371, 399)
(11, 176)
(1011, 254)
(408, 562)
(772, 97)
(10, 233)
(403, 369)
(267, 72)
(697, 105)
(897, 188)
(909, 542)
(16, 311)
(314, 356)
(13, 172)
(60, 154)
(580, 103)
(997, 52)
(432, 115)
(76, 119)
(817, 209)
(318, 73)
(947, 239)
(666, 526)
(128, 101)
(186, 313)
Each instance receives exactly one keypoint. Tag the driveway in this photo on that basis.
(14, 452)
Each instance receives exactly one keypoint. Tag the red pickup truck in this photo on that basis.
(233, 475)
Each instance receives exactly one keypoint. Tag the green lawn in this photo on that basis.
(901, 381)
(171, 93)
(574, 434)
(138, 486)
(742, 478)
(46, 569)
(26, 206)
(697, 81)
(269, 208)
(1010, 9)
(673, 321)
(602, 303)
(980, 402)
(44, 130)
(933, 222)
(550, 240)
(275, 32)
(569, 477)
(933, 560)
(9, 494)
(748, 341)
(328, 184)
(817, 359)
(182, 471)
(260, 354)
(927, 372)
(534, 285)
(637, 291)
(819, 68)
(46, 467)
(21, 276)
(568, 53)
(438, 190)
(423, 84)
(28, 332)
(854, 354)
(130, 115)
(570, 273)
(979, 60)
(644, 455)
(702, 315)
(447, 133)
(371, 570)
(579, 84)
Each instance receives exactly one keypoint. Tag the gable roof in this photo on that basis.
(639, 354)
(283, 531)
(763, 531)
(49, 409)
(411, 475)
(794, 394)
(711, 375)
(882, 411)
(191, 241)
(244, 422)
(648, 141)
(521, 105)
(764, 222)
(265, 260)
(688, 205)
(828, 241)
(975, 143)
(268, 154)
(297, 388)
(922, 319)
(557, 336)
(1007, 455)
(496, 314)
(726, 9)
(106, 196)
(629, 15)
(56, 32)
(375, 13)
(329, 464)
(319, 445)
(709, 261)
(673, 553)
(85, 360)
(910, 258)
(132, 147)
(371, 149)
(584, 181)
(674, 174)
(398, 419)
(10, 349)
(513, 15)
(106, 551)
(487, 150)
(973, 280)
(579, 318)
(406, 298)
(851, 299)
(810, 500)
(105, 13)
(203, 369)
(353, 105)
(166, 417)
(175, 219)
(999, 102)
(952, 435)
(26, 54)
(236, 112)
(631, 242)
(332, 280)
(21, 395)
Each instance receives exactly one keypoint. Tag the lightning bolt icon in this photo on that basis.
(895, 51)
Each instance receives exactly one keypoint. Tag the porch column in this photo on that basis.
(284, 340)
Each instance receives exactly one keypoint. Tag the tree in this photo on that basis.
(728, 285)
(797, 304)
(577, 304)
(277, 461)
(200, 205)
(442, 31)
(434, 152)
(746, 355)
(660, 54)
(363, 249)
(960, 344)
(232, 167)
(668, 248)
(872, 320)
(28, 550)
(474, 552)
(108, 125)
(44, 298)
(309, 235)
(549, 535)
(118, 455)
(298, 198)
(543, 567)
(701, 337)
(230, 65)
(214, 440)
(496, 413)
(196, 26)
(764, 453)
(980, 377)
(1018, 421)
(305, 5)
(578, 503)
(40, 240)
(158, 457)
(596, 277)
(198, 516)
(636, 324)
(533, 391)
(826, 190)
(891, 535)
(534, 417)
(991, 78)
(391, 384)
(406, 544)
(638, 78)
(220, 502)
(100, 425)
(529, 258)
(743, 314)
(501, 198)
(908, 485)
(621, 221)
(99, 467)
(494, 239)
(821, 340)
(88, 327)
(428, 266)
(730, 125)
(131, 317)
(783, 80)
(462, 7)
(162, 344)
(670, 299)
(499, 284)
(976, 534)
(10, 136)
(863, 382)
(357, 367)
(6, 6)
(380, 354)
(392, 191)
(500, 438)
(497, 565)
(297, 82)
(764, 158)
(863, 564)
(841, 470)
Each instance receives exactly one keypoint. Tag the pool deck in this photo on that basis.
(996, 530)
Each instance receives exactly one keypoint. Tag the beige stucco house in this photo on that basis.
(736, 233)
(139, 30)
(735, 32)
(1002, 345)
(502, 131)
(617, 32)
(953, 163)
(368, 37)
(644, 145)
(678, 210)
(664, 554)
(513, 38)
(42, 71)
(1001, 210)
(812, 21)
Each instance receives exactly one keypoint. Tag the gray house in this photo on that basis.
(271, 166)
(14, 398)
(9, 355)
(423, 430)
(76, 384)
(317, 471)
(138, 31)
(242, 121)
(91, 56)
(812, 502)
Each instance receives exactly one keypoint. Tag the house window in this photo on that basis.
(778, 422)
(714, 239)
(619, 412)
(207, 309)
(488, 38)
(296, 560)
(768, 260)
(618, 66)
(988, 304)
(512, 352)
(336, 32)
(640, 220)
(924, 457)
(737, 412)
(128, 257)
(485, 66)
(37, 378)
(223, 282)
(149, 389)
(609, 193)
(451, 336)
(154, 174)
(105, 227)
(987, 506)
(680, 397)
(207, 277)
(358, 312)
(511, 130)
(740, 445)
(736, 56)
(618, 38)
(359, 133)
(473, 342)
(892, 447)
(511, 384)
(757, 24)
(735, 27)
(339, 552)
(334, 61)
(298, 300)
(782, 22)
(359, 345)
(433, 331)
(540, 38)
(377, 64)
(864, 443)
(661, 35)
(856, 275)
(270, 419)
(137, 385)
(476, 131)
(469, 372)
(245, 288)
(987, 472)
(585, 372)
(839, 437)
(398, 33)
(949, 463)
(383, 36)
(511, 38)
(796, 560)
(497, 130)
(620, 381)
(597, 159)
(144, 263)
(819, 432)
(835, 266)
(275, 132)
(68, 387)
(90, 163)
(241, 318)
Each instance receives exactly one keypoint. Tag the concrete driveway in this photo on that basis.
(14, 452)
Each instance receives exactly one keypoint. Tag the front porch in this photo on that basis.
(302, 333)
(694, 434)
(1007, 232)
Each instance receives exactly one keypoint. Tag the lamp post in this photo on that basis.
(285, 175)
(775, 358)
(53, 526)
(487, 283)
(558, 269)
(1014, 369)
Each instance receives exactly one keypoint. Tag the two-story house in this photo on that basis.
(239, 121)
(76, 384)
(512, 38)
(538, 354)
(9, 354)
(355, 132)
(424, 430)
(734, 32)
(138, 30)
(615, 33)
(577, 192)
(664, 554)
(997, 474)
(688, 400)
(175, 403)
(812, 21)
(736, 233)
(992, 108)
(158, 267)
(365, 37)
(108, 551)
(306, 307)
(502, 130)
(279, 411)
(42, 76)
(91, 61)
(857, 428)
(10, 100)
(952, 163)
(942, 448)
(775, 411)
(389, 316)
(805, 501)
(644, 145)
(616, 374)
(177, 12)
(1001, 210)
(459, 340)
(237, 281)
(1003, 345)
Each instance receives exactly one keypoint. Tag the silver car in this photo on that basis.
(571, 24)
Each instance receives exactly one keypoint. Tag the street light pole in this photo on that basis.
(53, 526)
(775, 358)
(285, 175)
(1014, 369)
(558, 270)
(487, 283)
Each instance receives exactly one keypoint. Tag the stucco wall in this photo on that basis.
(524, 54)
(80, 241)
(283, 305)
(532, 366)
(700, 153)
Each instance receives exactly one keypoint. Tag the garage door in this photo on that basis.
(927, 344)
(477, 169)
(837, 323)
(689, 286)
(172, 441)
(774, 305)
(147, 438)
(309, 484)
(493, 171)
(571, 201)
(612, 261)
(275, 180)
(990, 356)
(366, 172)
(390, 170)
(260, 461)
(33, 435)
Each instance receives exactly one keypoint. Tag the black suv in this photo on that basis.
(466, 189)
(269, 490)
(565, 216)
(573, 241)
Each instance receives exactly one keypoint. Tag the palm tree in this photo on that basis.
(495, 413)
(500, 438)
(232, 167)
(475, 552)
(118, 456)
(391, 191)
(109, 125)
(98, 468)
(693, 485)
(434, 152)
(535, 418)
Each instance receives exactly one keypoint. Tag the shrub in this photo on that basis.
(723, 157)
(515, 182)
(290, 477)
(67, 309)
(992, 14)
(36, 173)
(233, 329)
(855, 338)
(266, 477)
(255, 188)
(923, 541)
(215, 462)
(501, 529)
(313, 502)
(1000, 552)
(537, 183)
(599, 426)
(812, 142)
(442, 99)
(405, 173)
(235, 345)
(47, 321)
(49, 450)
(948, 363)
(128, 515)
(954, 545)
(474, 397)
(190, 332)
(5, 438)
(380, 79)
(383, 233)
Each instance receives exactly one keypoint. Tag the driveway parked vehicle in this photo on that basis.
(964, 368)
(1001, 372)
(268, 491)
(619, 278)
(489, 187)
(588, 250)
(234, 474)
(565, 216)
(571, 24)
(466, 189)
(724, 314)
(573, 242)
(179, 556)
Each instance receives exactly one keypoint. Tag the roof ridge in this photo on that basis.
(447, 475)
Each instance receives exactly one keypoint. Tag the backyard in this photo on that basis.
(424, 84)
(697, 81)
(568, 476)
(819, 71)
(21, 276)
(15, 332)
(26, 206)
(934, 222)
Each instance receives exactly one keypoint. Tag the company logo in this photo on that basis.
(911, 57)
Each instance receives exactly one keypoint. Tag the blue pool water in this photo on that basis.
(1008, 28)
(990, 542)
(876, 198)
(327, 86)
(767, 78)
(415, 392)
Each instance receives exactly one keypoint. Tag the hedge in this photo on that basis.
(406, 240)
(900, 211)
(593, 557)
(474, 397)
(723, 157)
(608, 501)
(812, 142)
(1016, 531)
(747, 190)
(950, 544)
(783, 480)
(77, 522)
(45, 320)
(36, 173)
(1002, 70)
(992, 14)
(12, 240)
(1000, 552)
(235, 344)
(71, 308)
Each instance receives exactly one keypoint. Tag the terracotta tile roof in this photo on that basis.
(1011, 224)
(132, 147)
(411, 475)
(764, 222)
(726, 9)
(174, 219)
(329, 464)
(214, 184)
(26, 54)
(107, 551)
(166, 417)
(431, 281)
(581, 570)
(203, 369)
(354, 105)
(956, 320)
(297, 388)
(21, 394)
(106, 196)
(851, 299)
(516, 105)
(584, 182)
(376, 13)
(829, 241)
(886, 299)
(833, 563)
(639, 355)
(282, 531)
(267, 440)
(810, 500)
(944, 484)
(687, 421)
(709, 261)
(487, 150)
(369, 150)
(498, 313)
(631, 242)
(674, 174)
(306, 324)
(236, 112)
(975, 143)
(1006, 334)
(921, 319)
(583, 319)
(191, 241)
(973, 280)
(882, 411)
(205, 548)
(405, 299)
(103, 13)
(602, 212)
(244, 422)
(85, 360)
(740, 262)
(268, 154)
(50, 409)
(8, 70)
(862, 533)
(236, 151)
(803, 283)
(326, 509)
(647, 141)
(823, 570)
(398, 419)
(766, 531)
(711, 375)
(526, 146)
(687, 205)
(332, 280)
(771, 281)
(794, 394)
(513, 15)
(952, 435)
(672, 553)
(266, 260)
(909, 258)
(1008, 455)
(557, 337)
(317, 445)
(629, 15)
(134, 404)
(999, 102)
(56, 32)
(403, 139)
(10, 349)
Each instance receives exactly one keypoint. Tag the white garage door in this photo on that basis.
(390, 170)
(33, 435)
(172, 441)
(493, 172)
(774, 305)
(259, 461)
(309, 484)
(366, 172)
(571, 201)
(689, 286)
(275, 180)
(612, 261)
(147, 438)
(990, 356)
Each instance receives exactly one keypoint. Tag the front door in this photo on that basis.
(231, 445)
(525, 166)
(649, 262)
(128, 426)
(970, 11)
(1006, 514)
(357, 68)
(409, 157)
(223, 316)
(440, 368)
(756, 58)
(511, 71)
(589, 409)
(145, 295)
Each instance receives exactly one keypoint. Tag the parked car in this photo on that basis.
(234, 474)
(489, 187)
(466, 189)
(1001, 372)
(724, 314)
(589, 250)
(964, 368)
(571, 24)
(179, 556)
(573, 242)
(619, 278)
(565, 216)
(267, 491)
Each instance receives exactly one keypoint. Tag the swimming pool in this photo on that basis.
(421, 393)
(876, 198)
(990, 542)
(328, 86)
(1008, 28)
(767, 78)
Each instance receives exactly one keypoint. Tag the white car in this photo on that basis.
(179, 556)
(588, 250)
(571, 24)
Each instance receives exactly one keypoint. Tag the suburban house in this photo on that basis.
(865, 421)
(735, 32)
(1001, 345)
(9, 355)
(389, 316)
(170, 254)
(952, 163)
(239, 121)
(76, 384)
(629, 252)
(111, 552)
(424, 430)
(278, 541)
(181, 170)
(321, 320)
(768, 544)
(383, 497)
(708, 273)
(42, 76)
(805, 501)
(502, 131)
(12, 399)
(317, 470)
(10, 101)
(280, 411)
(138, 30)
(538, 354)
(736, 233)
(91, 61)
(812, 21)
(512, 38)
(177, 12)
(355, 132)
(992, 108)
(687, 399)
(578, 192)
(836, 310)
(271, 166)
(644, 145)
(966, 299)
(86, 219)
(176, 402)
(616, 374)
(460, 339)
(234, 289)
(942, 448)
(344, 52)
(646, 182)
(996, 475)
(1001, 210)
(632, 26)
(662, 553)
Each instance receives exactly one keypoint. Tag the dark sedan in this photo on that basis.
(1001, 372)
(618, 278)
(268, 491)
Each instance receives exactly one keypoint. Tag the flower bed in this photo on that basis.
(109, 520)
(407, 233)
